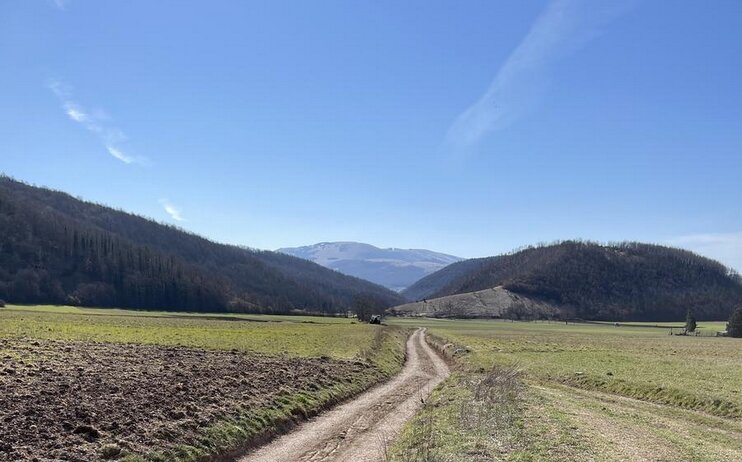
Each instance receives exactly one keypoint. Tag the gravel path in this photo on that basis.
(360, 430)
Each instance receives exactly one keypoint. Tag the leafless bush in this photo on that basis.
(494, 412)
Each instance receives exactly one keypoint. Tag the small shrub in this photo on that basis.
(110, 451)
(734, 327)
(2, 303)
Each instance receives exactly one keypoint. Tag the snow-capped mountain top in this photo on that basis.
(393, 268)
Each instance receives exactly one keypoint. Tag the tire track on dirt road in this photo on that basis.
(361, 429)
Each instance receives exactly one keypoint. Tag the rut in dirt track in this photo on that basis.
(361, 429)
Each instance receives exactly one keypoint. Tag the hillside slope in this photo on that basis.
(58, 249)
(628, 281)
(430, 285)
(488, 303)
(391, 268)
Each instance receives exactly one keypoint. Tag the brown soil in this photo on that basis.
(69, 400)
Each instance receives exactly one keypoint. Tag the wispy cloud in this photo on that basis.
(115, 152)
(61, 4)
(172, 210)
(96, 122)
(564, 27)
(725, 247)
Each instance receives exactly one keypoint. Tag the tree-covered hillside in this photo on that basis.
(626, 281)
(58, 249)
(431, 284)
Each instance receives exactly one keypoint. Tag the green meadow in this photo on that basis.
(580, 390)
(305, 336)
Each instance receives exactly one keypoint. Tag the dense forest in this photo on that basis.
(58, 249)
(624, 281)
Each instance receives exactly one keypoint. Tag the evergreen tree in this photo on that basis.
(690, 322)
(734, 327)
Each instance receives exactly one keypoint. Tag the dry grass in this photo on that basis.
(470, 417)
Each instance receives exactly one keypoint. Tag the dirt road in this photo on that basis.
(361, 429)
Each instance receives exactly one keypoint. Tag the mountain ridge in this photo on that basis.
(394, 268)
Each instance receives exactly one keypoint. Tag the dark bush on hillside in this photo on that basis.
(2, 303)
(734, 327)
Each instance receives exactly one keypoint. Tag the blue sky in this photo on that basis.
(465, 127)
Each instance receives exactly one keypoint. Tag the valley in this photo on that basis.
(126, 339)
(370, 231)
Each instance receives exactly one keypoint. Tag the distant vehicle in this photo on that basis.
(375, 319)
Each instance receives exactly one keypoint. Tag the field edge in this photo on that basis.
(233, 437)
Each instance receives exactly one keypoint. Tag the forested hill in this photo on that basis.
(58, 249)
(628, 281)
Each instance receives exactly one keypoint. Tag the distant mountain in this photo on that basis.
(628, 281)
(58, 249)
(392, 268)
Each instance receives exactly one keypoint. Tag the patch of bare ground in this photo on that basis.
(620, 428)
(83, 401)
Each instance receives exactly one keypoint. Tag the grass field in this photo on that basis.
(550, 391)
(292, 335)
(228, 379)
(65, 309)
